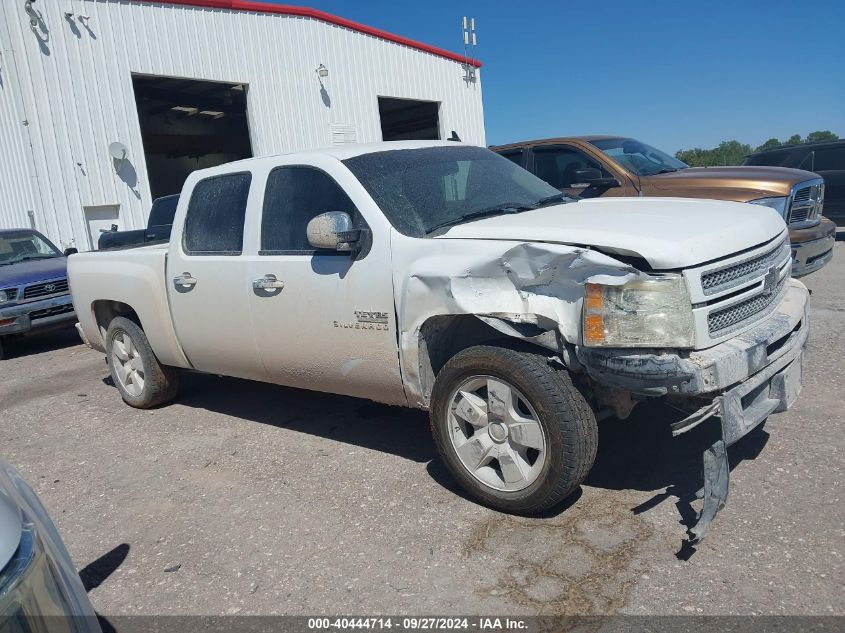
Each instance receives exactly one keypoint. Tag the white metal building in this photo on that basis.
(107, 104)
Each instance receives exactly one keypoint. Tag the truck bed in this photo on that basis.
(105, 281)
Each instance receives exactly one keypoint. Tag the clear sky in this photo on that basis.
(676, 74)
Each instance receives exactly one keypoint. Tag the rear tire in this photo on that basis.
(143, 382)
(513, 430)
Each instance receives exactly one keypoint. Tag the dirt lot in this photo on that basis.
(278, 501)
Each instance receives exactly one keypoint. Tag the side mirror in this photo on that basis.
(332, 231)
(70, 251)
(592, 177)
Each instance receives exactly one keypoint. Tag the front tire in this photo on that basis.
(143, 382)
(512, 430)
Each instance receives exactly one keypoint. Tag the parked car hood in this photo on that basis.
(668, 233)
(31, 271)
(10, 528)
(743, 183)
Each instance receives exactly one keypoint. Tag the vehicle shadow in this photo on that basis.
(394, 430)
(634, 454)
(41, 343)
(640, 454)
(93, 575)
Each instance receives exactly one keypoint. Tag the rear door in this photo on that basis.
(829, 163)
(208, 278)
(331, 324)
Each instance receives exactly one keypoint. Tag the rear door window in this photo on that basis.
(829, 159)
(515, 156)
(771, 159)
(214, 224)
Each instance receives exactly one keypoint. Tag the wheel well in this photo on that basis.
(441, 337)
(106, 311)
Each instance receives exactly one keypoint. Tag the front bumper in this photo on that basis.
(808, 257)
(37, 316)
(704, 372)
(742, 381)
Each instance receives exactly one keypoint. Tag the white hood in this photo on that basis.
(669, 233)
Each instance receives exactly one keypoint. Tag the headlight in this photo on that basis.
(3, 296)
(40, 579)
(778, 204)
(646, 312)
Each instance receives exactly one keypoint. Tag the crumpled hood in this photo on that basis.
(668, 233)
(32, 271)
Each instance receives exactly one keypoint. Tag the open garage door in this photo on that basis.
(188, 124)
(409, 120)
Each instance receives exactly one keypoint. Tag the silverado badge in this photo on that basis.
(366, 320)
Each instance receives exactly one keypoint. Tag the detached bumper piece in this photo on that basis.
(744, 380)
(740, 410)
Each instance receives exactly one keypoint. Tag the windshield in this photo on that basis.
(24, 245)
(639, 158)
(420, 190)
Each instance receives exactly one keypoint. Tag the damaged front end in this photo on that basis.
(740, 382)
(543, 294)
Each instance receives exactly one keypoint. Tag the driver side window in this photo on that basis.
(293, 197)
(557, 166)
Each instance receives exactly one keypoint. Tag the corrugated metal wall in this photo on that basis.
(75, 90)
(16, 192)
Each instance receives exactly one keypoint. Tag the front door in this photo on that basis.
(208, 280)
(323, 320)
(558, 165)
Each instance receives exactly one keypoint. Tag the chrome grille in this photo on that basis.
(806, 202)
(736, 274)
(719, 321)
(802, 195)
(45, 289)
(799, 215)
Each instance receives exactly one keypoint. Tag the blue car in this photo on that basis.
(34, 292)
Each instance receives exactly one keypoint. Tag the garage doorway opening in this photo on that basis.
(100, 218)
(409, 120)
(187, 125)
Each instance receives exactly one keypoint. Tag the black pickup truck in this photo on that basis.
(158, 227)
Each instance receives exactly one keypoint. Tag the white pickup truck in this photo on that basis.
(444, 277)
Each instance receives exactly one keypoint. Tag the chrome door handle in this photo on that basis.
(184, 281)
(268, 282)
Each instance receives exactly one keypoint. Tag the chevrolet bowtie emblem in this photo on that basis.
(770, 281)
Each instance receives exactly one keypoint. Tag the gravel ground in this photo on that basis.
(253, 499)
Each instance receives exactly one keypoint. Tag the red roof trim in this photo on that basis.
(286, 9)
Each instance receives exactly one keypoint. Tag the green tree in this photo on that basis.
(734, 152)
(772, 143)
(727, 153)
(821, 136)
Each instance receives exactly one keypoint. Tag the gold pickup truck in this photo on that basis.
(593, 166)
